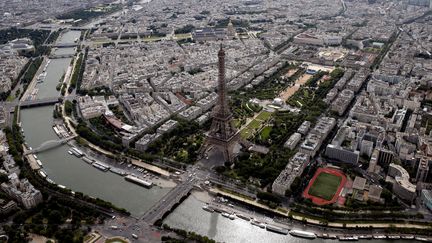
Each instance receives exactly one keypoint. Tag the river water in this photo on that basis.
(71, 171)
(79, 176)
(191, 217)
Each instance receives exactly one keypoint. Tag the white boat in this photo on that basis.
(138, 181)
(303, 234)
(380, 237)
(231, 216)
(77, 152)
(258, 223)
(39, 162)
(226, 215)
(277, 229)
(348, 238)
(208, 208)
(87, 160)
(328, 236)
(43, 174)
(423, 239)
(70, 152)
(407, 237)
(100, 166)
(394, 237)
(243, 217)
(117, 171)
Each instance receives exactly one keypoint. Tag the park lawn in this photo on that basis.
(116, 240)
(237, 123)
(183, 36)
(325, 186)
(10, 98)
(264, 116)
(246, 132)
(427, 122)
(265, 133)
(254, 124)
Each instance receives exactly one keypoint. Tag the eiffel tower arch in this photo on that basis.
(222, 135)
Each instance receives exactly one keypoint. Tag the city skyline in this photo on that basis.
(215, 121)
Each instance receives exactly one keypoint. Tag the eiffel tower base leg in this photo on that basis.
(228, 155)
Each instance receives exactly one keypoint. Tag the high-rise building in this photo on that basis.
(222, 135)
(385, 156)
(423, 169)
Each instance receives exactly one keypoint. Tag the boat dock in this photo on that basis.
(61, 131)
(163, 173)
(281, 228)
(138, 181)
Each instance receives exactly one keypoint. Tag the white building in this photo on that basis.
(22, 191)
(293, 140)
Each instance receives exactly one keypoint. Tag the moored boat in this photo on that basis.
(208, 208)
(87, 160)
(348, 238)
(42, 173)
(328, 236)
(276, 229)
(303, 234)
(243, 217)
(101, 166)
(380, 237)
(138, 181)
(117, 171)
(39, 162)
(257, 223)
(419, 238)
(394, 237)
(407, 237)
(76, 152)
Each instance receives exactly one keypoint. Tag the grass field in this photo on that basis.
(246, 132)
(265, 133)
(325, 186)
(254, 124)
(264, 116)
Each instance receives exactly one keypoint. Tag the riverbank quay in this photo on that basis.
(291, 217)
(163, 173)
(250, 202)
(30, 88)
(268, 222)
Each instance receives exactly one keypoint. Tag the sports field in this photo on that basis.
(325, 186)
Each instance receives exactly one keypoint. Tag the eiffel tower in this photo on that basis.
(222, 135)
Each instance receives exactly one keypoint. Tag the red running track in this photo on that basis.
(321, 201)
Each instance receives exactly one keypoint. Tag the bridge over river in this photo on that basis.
(167, 202)
(50, 144)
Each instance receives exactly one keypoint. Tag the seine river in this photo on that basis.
(77, 175)
(71, 171)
